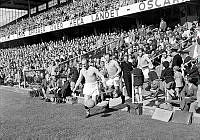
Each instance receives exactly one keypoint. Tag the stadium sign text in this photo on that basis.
(104, 15)
(56, 26)
(21, 34)
(152, 4)
(76, 22)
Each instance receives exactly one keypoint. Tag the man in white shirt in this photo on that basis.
(143, 62)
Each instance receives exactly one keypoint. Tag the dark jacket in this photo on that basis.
(74, 74)
(126, 68)
(138, 77)
(177, 61)
(194, 74)
(167, 75)
(66, 90)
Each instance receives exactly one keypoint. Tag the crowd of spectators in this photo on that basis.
(42, 55)
(70, 10)
(139, 45)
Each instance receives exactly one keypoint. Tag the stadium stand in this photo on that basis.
(162, 46)
(68, 11)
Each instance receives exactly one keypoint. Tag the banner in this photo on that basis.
(147, 5)
(104, 15)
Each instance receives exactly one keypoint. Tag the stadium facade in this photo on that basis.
(147, 12)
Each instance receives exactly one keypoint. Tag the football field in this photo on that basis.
(22, 117)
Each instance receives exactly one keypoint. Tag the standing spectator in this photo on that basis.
(143, 62)
(138, 81)
(163, 25)
(178, 80)
(126, 69)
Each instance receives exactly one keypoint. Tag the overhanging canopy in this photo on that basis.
(21, 4)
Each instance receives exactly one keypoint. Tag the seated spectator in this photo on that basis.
(73, 75)
(188, 95)
(167, 75)
(153, 81)
(43, 87)
(9, 80)
(65, 90)
(193, 72)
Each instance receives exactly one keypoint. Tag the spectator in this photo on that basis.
(163, 25)
(138, 81)
(188, 95)
(126, 70)
(177, 59)
(167, 75)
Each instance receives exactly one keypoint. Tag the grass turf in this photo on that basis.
(22, 117)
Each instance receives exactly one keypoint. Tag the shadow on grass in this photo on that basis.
(108, 112)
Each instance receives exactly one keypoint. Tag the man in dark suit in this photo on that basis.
(126, 69)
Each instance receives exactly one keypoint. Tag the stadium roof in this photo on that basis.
(21, 4)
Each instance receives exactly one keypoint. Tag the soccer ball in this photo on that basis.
(90, 103)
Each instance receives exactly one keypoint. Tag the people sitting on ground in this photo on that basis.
(9, 80)
(188, 95)
(153, 81)
(167, 75)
